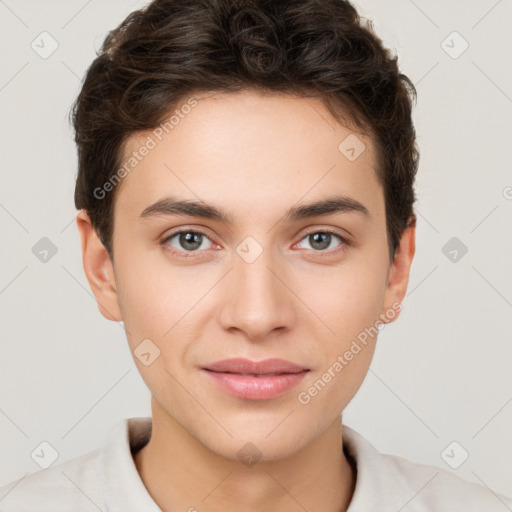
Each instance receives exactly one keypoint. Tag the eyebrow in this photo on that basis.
(328, 206)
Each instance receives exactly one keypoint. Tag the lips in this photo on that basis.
(267, 367)
(261, 380)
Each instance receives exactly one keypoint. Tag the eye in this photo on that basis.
(186, 241)
(320, 241)
(193, 241)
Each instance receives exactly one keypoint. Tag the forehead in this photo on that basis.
(250, 149)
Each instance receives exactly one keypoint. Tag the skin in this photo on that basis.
(255, 156)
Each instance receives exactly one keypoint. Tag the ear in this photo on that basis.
(398, 274)
(98, 269)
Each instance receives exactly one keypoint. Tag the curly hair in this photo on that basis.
(171, 49)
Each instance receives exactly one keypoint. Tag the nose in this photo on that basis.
(257, 298)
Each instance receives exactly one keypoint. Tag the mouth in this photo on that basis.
(255, 374)
(241, 366)
(250, 380)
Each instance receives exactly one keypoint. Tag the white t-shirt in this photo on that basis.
(106, 479)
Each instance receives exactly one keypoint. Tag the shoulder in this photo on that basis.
(70, 485)
(391, 482)
(434, 488)
(103, 479)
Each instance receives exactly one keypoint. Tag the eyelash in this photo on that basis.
(345, 243)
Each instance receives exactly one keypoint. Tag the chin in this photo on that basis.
(265, 440)
(255, 448)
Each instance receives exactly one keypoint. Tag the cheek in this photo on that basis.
(347, 298)
(148, 299)
(350, 306)
(159, 300)
(335, 383)
(154, 303)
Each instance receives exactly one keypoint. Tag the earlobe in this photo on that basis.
(399, 271)
(98, 269)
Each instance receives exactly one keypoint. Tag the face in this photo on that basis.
(269, 279)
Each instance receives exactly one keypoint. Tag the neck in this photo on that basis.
(180, 473)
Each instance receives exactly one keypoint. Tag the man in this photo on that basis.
(245, 188)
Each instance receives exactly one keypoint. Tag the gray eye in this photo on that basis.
(320, 240)
(188, 241)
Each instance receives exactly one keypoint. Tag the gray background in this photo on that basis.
(440, 374)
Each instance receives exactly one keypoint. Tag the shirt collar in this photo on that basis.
(378, 481)
(120, 476)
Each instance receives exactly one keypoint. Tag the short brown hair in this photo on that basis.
(172, 49)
